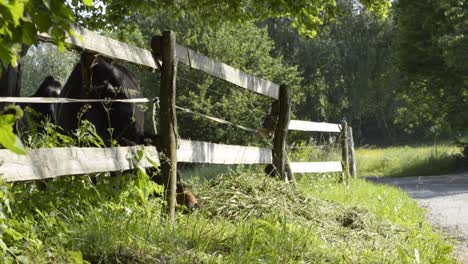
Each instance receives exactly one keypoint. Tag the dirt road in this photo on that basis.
(446, 199)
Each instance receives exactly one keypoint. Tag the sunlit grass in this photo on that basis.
(392, 205)
(408, 161)
(246, 218)
(249, 218)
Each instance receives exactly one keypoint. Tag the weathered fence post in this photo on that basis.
(280, 157)
(164, 47)
(352, 158)
(344, 151)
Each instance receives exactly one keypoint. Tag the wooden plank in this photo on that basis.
(93, 42)
(40, 164)
(314, 126)
(50, 100)
(352, 157)
(182, 54)
(228, 73)
(205, 152)
(345, 152)
(316, 167)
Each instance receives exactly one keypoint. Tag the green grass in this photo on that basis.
(409, 161)
(246, 218)
(391, 206)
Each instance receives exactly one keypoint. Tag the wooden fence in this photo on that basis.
(165, 54)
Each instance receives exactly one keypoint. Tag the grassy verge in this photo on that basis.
(246, 218)
(393, 161)
(409, 161)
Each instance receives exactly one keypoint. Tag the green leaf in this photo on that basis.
(88, 2)
(76, 256)
(16, 10)
(8, 139)
(29, 33)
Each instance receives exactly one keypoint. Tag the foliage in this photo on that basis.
(462, 140)
(43, 60)
(246, 47)
(8, 139)
(246, 218)
(347, 70)
(318, 149)
(43, 208)
(305, 16)
(393, 205)
(20, 20)
(432, 50)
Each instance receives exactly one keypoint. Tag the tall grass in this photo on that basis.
(249, 218)
(246, 218)
(409, 161)
(391, 161)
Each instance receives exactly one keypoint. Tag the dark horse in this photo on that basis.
(122, 122)
(40, 112)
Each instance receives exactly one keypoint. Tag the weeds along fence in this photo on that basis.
(48, 163)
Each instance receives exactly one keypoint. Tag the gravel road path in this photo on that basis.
(445, 197)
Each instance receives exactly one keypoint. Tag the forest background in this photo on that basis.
(397, 72)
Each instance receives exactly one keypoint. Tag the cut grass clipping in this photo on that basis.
(246, 218)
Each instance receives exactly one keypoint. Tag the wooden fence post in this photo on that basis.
(164, 47)
(280, 157)
(344, 151)
(352, 158)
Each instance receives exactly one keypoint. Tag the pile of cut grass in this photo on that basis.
(246, 218)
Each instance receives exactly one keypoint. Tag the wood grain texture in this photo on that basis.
(55, 162)
(345, 151)
(50, 100)
(280, 156)
(352, 157)
(168, 118)
(228, 73)
(316, 167)
(314, 126)
(93, 42)
(205, 152)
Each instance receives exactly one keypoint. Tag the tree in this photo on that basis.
(244, 46)
(432, 49)
(347, 71)
(44, 60)
(20, 20)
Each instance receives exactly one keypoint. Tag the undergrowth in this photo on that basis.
(246, 218)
